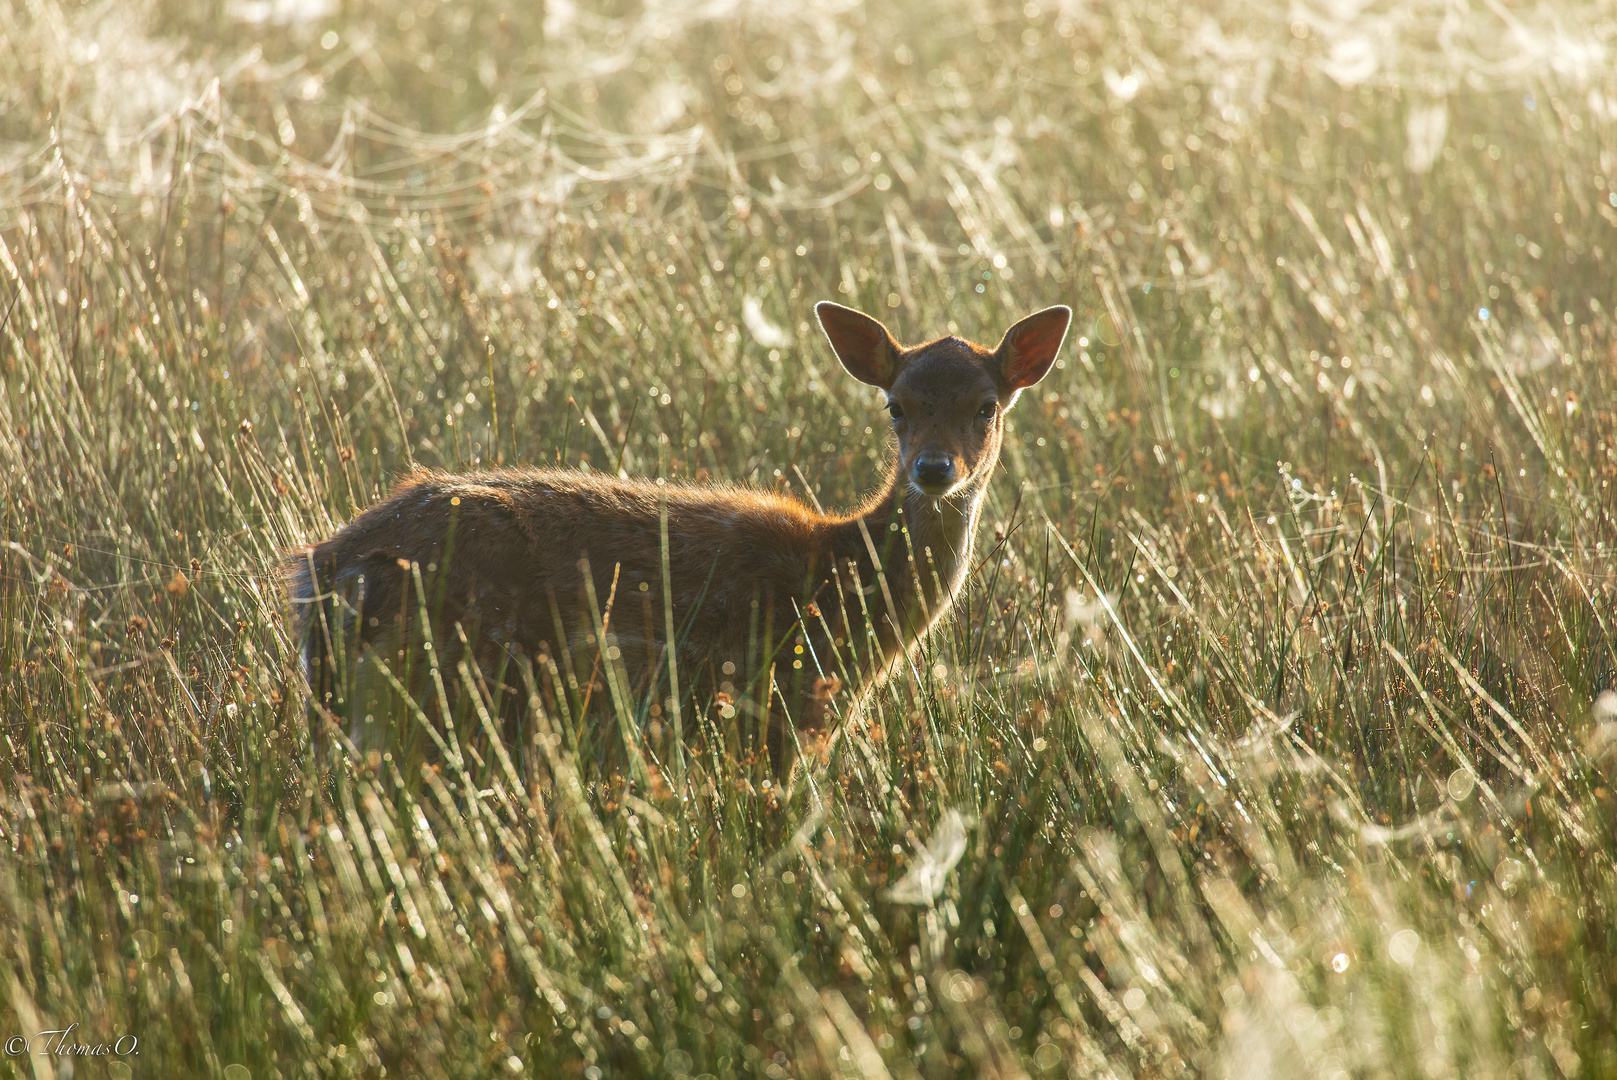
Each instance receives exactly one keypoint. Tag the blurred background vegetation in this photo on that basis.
(1273, 738)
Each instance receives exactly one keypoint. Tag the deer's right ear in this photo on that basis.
(864, 346)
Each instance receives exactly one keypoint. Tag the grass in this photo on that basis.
(1268, 741)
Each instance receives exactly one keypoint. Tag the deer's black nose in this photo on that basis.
(933, 471)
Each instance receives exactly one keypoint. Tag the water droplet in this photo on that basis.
(1402, 947)
(1461, 784)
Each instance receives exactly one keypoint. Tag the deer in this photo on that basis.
(778, 616)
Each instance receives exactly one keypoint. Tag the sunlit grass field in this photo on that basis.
(1273, 736)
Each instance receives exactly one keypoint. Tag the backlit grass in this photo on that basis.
(1273, 737)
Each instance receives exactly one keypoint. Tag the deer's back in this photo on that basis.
(506, 554)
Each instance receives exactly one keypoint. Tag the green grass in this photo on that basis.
(1273, 723)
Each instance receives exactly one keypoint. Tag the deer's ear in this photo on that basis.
(1029, 348)
(864, 346)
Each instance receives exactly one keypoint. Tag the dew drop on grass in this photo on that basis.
(1508, 874)
(1402, 946)
(1460, 785)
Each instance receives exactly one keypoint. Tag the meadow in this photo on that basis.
(1273, 737)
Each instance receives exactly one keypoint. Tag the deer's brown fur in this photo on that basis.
(761, 586)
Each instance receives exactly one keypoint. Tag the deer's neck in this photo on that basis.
(926, 558)
(941, 533)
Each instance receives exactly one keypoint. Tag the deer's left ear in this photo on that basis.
(1029, 348)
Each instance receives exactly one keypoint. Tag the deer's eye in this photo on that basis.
(895, 410)
(987, 411)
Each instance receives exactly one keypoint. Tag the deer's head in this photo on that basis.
(948, 398)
